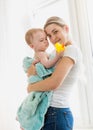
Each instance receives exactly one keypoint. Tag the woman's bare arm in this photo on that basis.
(58, 76)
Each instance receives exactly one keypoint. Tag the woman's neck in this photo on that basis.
(68, 43)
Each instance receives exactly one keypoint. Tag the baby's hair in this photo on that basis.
(29, 34)
(56, 20)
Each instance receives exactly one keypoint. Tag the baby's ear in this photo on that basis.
(31, 45)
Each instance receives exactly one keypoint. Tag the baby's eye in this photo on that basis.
(41, 40)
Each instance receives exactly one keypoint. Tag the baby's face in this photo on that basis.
(40, 42)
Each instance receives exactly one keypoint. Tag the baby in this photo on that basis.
(36, 38)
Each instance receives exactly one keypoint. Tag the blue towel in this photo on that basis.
(31, 112)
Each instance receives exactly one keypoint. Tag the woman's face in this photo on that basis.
(57, 33)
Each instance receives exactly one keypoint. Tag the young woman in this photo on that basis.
(63, 79)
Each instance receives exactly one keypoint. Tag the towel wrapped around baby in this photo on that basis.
(32, 110)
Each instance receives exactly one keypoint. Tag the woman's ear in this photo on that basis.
(66, 28)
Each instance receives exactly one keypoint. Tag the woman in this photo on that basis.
(63, 79)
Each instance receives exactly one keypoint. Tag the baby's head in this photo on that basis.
(36, 38)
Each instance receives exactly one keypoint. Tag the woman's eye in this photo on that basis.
(55, 32)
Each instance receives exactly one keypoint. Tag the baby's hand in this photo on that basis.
(35, 61)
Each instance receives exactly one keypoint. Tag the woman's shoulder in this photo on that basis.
(74, 52)
(73, 49)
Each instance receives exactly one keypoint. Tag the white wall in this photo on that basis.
(12, 51)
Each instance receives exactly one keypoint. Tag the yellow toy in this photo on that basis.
(59, 47)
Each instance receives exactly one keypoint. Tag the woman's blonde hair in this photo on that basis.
(56, 20)
(29, 34)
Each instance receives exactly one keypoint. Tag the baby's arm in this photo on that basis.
(49, 62)
(35, 61)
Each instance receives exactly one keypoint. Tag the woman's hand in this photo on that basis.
(29, 88)
(31, 70)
